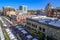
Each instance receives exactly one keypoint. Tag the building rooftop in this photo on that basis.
(54, 22)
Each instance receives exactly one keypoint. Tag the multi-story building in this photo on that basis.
(41, 12)
(1, 12)
(7, 8)
(54, 13)
(23, 9)
(47, 25)
(19, 18)
(32, 12)
(9, 13)
(48, 7)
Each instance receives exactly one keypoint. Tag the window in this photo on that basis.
(20, 8)
(39, 28)
(34, 25)
(28, 23)
(43, 30)
(24, 8)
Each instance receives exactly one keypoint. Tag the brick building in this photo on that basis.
(54, 13)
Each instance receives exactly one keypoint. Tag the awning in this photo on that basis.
(24, 32)
(29, 36)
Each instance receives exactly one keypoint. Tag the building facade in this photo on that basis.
(7, 8)
(23, 9)
(54, 13)
(48, 7)
(44, 26)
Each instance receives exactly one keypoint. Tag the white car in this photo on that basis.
(7, 30)
(9, 33)
(4, 25)
(15, 39)
(11, 36)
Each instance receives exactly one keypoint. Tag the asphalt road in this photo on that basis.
(13, 30)
(10, 26)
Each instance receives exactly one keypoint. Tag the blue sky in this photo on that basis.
(32, 4)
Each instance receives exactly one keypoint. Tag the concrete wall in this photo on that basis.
(49, 31)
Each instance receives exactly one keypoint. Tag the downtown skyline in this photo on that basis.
(32, 4)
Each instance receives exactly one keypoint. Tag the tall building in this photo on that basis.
(23, 9)
(48, 8)
(1, 12)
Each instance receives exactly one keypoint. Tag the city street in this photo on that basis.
(29, 19)
(19, 32)
(8, 26)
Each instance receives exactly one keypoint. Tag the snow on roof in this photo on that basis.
(29, 36)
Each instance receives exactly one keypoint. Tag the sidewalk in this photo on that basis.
(1, 34)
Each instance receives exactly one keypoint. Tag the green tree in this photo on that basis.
(33, 32)
(40, 36)
(0, 23)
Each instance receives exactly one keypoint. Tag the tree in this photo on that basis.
(40, 36)
(33, 32)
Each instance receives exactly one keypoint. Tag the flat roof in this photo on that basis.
(47, 20)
